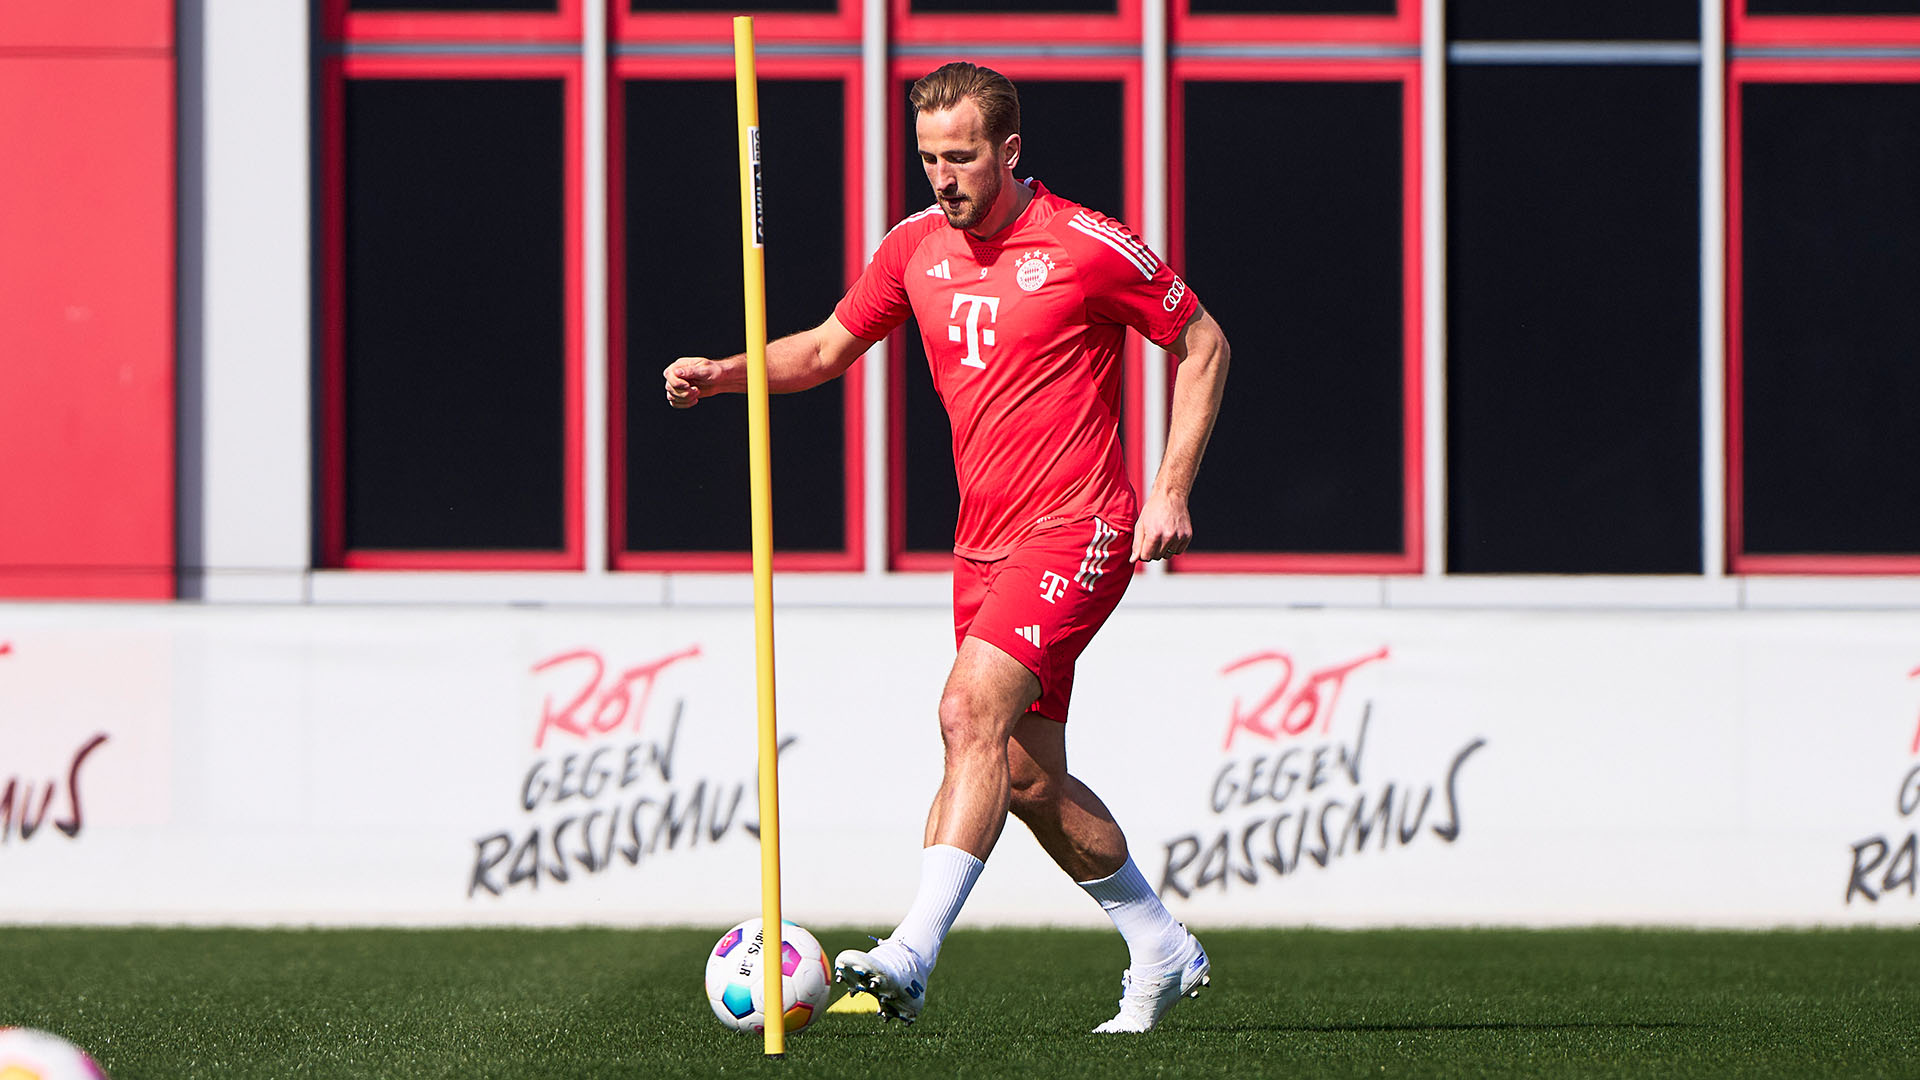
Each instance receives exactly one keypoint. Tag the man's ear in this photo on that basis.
(1010, 150)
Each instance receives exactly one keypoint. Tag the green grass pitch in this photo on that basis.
(166, 1003)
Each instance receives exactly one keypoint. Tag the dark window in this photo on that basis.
(687, 470)
(453, 6)
(1830, 272)
(1573, 319)
(455, 353)
(1013, 7)
(733, 6)
(1521, 20)
(1072, 141)
(1293, 7)
(1833, 7)
(1294, 241)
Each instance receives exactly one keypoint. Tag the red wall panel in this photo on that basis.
(86, 323)
(95, 24)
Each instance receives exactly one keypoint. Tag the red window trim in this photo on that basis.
(341, 24)
(1125, 71)
(627, 27)
(847, 71)
(1402, 27)
(1053, 29)
(1746, 29)
(1409, 560)
(1740, 72)
(336, 71)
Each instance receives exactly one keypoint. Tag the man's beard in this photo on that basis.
(974, 210)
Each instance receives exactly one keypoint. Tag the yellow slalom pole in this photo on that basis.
(753, 261)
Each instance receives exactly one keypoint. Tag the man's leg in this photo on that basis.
(1077, 831)
(986, 692)
(1075, 828)
(1071, 823)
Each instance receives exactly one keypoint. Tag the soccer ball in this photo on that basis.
(26, 1054)
(736, 989)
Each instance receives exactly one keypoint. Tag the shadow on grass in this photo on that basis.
(1483, 1025)
(895, 1030)
(873, 1032)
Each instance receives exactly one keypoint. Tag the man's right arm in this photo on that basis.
(799, 361)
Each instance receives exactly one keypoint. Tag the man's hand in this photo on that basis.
(1164, 528)
(688, 379)
(796, 362)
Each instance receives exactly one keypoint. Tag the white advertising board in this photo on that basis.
(427, 766)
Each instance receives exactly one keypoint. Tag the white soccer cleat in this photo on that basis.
(893, 973)
(1147, 997)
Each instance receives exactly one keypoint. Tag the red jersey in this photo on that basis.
(1023, 333)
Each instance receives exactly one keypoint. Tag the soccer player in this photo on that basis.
(1023, 300)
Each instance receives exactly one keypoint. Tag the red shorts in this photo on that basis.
(1043, 603)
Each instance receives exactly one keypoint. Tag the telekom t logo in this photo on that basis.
(1051, 586)
(976, 335)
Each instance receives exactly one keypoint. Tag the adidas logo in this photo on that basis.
(1031, 633)
(940, 270)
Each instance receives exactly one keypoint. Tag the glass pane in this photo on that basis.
(1525, 20)
(1573, 361)
(1295, 243)
(455, 314)
(1831, 267)
(687, 470)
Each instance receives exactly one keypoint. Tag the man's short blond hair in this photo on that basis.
(991, 92)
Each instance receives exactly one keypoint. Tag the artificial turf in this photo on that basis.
(166, 1003)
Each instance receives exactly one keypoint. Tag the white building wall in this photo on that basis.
(336, 764)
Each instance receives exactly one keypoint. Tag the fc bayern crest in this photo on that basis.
(1031, 270)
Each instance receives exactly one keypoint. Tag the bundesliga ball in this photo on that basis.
(736, 989)
(26, 1054)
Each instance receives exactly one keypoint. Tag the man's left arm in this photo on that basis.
(1165, 528)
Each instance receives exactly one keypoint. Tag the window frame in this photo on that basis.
(1748, 29)
(983, 32)
(1742, 71)
(341, 24)
(336, 71)
(1402, 27)
(1411, 559)
(627, 68)
(626, 27)
(1125, 70)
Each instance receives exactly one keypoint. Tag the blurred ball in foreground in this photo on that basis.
(26, 1054)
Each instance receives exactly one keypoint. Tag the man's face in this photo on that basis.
(964, 166)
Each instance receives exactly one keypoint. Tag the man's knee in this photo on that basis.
(969, 722)
(985, 696)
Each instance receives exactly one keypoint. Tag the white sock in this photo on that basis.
(947, 875)
(1152, 933)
